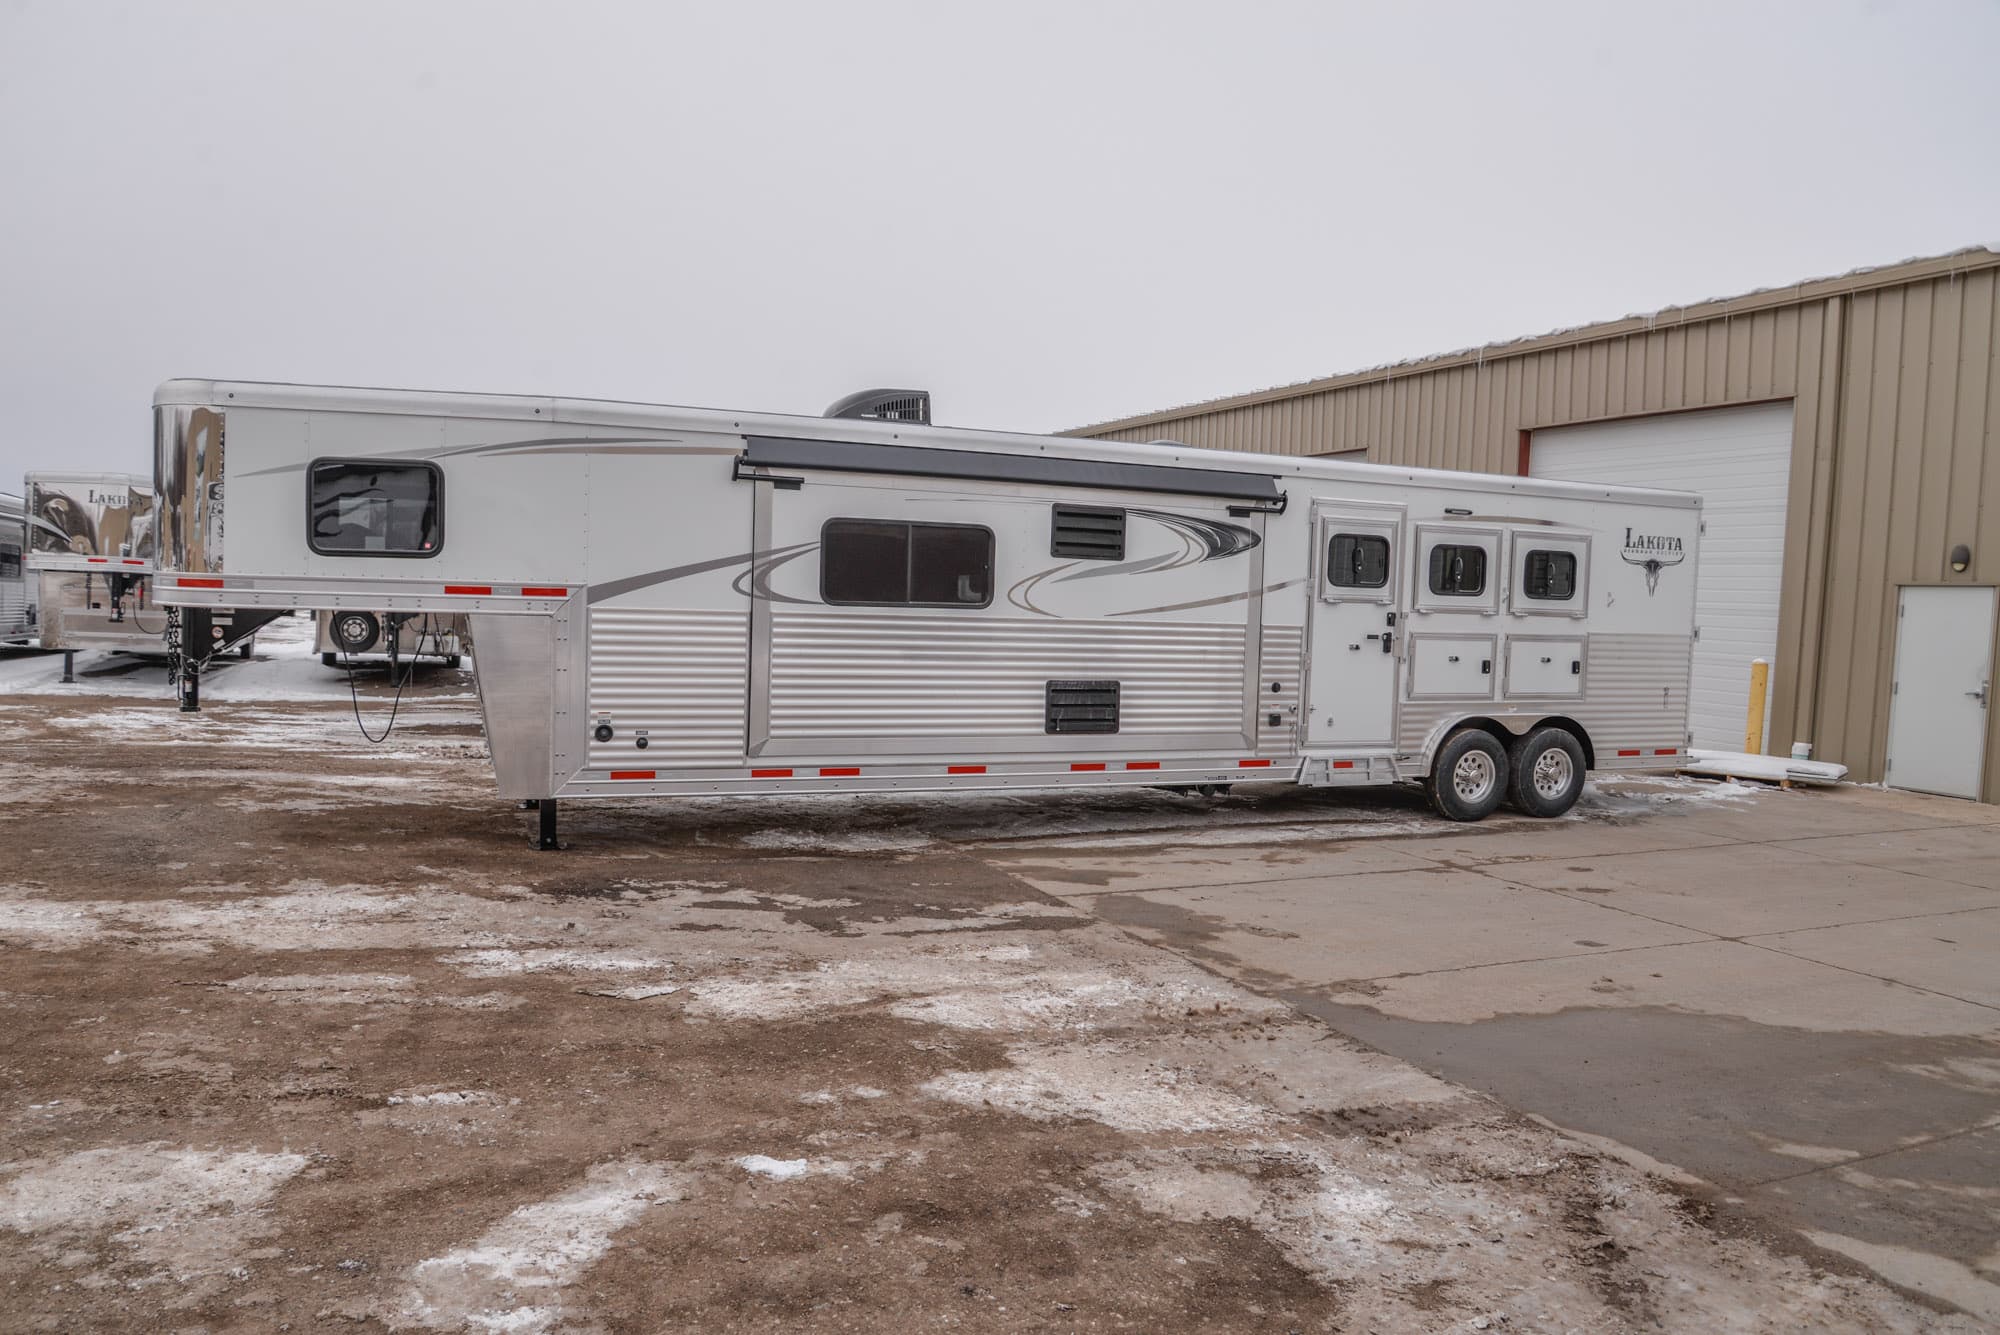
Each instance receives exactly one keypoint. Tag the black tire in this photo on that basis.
(329, 660)
(1468, 776)
(1547, 773)
(355, 632)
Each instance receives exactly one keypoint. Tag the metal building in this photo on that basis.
(1846, 434)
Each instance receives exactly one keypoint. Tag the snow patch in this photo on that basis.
(511, 1277)
(187, 1212)
(1101, 1084)
(765, 1166)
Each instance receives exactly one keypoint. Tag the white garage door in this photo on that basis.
(1740, 460)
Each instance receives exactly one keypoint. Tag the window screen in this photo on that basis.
(366, 507)
(1090, 532)
(1358, 561)
(1550, 576)
(886, 563)
(10, 561)
(1458, 570)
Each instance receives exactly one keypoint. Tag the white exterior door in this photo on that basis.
(1351, 690)
(1739, 460)
(1943, 691)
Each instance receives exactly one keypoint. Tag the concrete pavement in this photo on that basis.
(1794, 996)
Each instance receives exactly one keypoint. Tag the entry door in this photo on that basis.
(1943, 692)
(1356, 632)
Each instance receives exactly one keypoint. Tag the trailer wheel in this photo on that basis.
(1469, 776)
(1548, 772)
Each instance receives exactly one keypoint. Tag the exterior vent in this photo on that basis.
(1082, 706)
(886, 405)
(1091, 532)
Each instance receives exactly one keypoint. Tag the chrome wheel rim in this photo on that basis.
(1553, 772)
(1472, 778)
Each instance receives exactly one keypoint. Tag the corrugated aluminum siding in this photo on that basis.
(1895, 380)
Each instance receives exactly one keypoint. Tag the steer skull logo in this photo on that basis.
(1654, 552)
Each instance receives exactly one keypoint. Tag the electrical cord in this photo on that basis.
(429, 632)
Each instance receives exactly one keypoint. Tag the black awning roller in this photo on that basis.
(978, 466)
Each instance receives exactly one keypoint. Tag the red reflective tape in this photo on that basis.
(632, 773)
(1633, 752)
(1086, 767)
(770, 774)
(1142, 764)
(965, 769)
(198, 583)
(1667, 751)
(98, 560)
(1343, 764)
(480, 590)
(134, 561)
(541, 591)
(1252, 764)
(840, 772)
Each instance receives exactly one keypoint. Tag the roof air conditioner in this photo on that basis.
(886, 405)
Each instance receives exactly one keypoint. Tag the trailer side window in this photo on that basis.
(1358, 561)
(1458, 570)
(1550, 576)
(10, 561)
(1088, 532)
(371, 507)
(889, 563)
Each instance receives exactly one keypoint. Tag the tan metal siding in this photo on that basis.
(1896, 449)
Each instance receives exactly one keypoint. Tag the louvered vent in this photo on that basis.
(1082, 706)
(1089, 532)
(885, 405)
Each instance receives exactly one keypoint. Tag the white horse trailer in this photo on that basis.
(90, 552)
(17, 595)
(680, 601)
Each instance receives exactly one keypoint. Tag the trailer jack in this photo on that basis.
(546, 841)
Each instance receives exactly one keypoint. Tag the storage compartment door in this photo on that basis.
(1451, 667)
(1543, 667)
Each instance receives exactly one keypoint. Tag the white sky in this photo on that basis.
(1046, 213)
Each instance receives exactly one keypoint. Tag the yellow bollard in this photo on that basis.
(1753, 726)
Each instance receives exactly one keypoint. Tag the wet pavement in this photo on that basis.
(1794, 996)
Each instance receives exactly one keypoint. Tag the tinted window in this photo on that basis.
(362, 507)
(1458, 571)
(10, 561)
(1550, 575)
(1358, 561)
(883, 563)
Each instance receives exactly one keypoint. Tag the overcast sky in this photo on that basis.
(1047, 214)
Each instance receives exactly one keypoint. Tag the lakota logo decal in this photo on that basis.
(1655, 552)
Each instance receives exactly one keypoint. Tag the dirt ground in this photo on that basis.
(302, 1035)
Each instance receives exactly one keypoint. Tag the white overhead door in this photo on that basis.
(1740, 460)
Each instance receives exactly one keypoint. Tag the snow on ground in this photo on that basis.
(187, 1213)
(1101, 1083)
(284, 666)
(512, 1276)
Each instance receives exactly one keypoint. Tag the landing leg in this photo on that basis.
(69, 666)
(190, 684)
(547, 810)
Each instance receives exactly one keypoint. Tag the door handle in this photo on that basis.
(1388, 644)
(1486, 666)
(1980, 694)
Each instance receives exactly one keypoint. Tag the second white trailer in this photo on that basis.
(669, 601)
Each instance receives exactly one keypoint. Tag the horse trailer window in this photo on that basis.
(887, 563)
(10, 561)
(368, 507)
(1550, 576)
(1358, 561)
(1458, 570)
